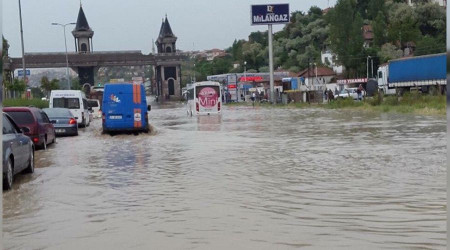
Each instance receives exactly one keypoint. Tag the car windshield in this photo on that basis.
(58, 112)
(21, 117)
(71, 103)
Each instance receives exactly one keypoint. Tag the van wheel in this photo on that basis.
(8, 180)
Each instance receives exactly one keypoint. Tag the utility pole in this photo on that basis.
(23, 47)
(272, 92)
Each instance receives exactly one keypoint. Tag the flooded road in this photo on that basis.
(251, 179)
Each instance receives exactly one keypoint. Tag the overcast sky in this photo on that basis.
(132, 24)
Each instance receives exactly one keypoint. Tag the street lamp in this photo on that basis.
(65, 44)
(21, 38)
(245, 71)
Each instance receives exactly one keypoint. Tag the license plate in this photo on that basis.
(60, 130)
(115, 117)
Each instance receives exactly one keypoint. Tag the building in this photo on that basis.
(316, 76)
(328, 58)
(167, 74)
(367, 35)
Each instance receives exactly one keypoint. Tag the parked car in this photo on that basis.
(349, 92)
(40, 129)
(63, 120)
(95, 105)
(18, 151)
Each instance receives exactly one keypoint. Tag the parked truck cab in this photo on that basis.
(382, 79)
(124, 108)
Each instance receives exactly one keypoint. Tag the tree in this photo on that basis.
(17, 86)
(379, 29)
(48, 86)
(251, 53)
(429, 45)
(388, 52)
(37, 93)
(346, 35)
(431, 19)
(75, 84)
(374, 8)
(403, 25)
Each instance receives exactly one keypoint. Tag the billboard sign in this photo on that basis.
(270, 14)
(20, 72)
(349, 81)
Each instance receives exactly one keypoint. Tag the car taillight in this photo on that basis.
(197, 107)
(72, 121)
(218, 106)
(36, 140)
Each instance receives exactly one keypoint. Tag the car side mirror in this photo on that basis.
(25, 130)
(149, 107)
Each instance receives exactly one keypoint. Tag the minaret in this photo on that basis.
(83, 34)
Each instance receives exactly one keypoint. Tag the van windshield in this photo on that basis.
(93, 104)
(70, 103)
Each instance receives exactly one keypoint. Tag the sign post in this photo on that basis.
(270, 14)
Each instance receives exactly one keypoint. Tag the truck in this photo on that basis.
(418, 73)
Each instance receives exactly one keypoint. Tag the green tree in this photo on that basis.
(374, 8)
(379, 29)
(48, 86)
(37, 93)
(403, 25)
(252, 54)
(429, 45)
(346, 36)
(75, 84)
(431, 19)
(389, 51)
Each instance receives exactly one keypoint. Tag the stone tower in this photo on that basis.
(168, 74)
(83, 44)
(83, 34)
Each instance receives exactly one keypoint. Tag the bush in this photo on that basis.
(376, 100)
(38, 103)
(391, 100)
(344, 102)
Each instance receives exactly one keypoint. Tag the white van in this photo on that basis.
(95, 105)
(75, 100)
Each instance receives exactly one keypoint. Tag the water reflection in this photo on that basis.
(209, 122)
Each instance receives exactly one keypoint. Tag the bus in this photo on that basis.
(75, 100)
(204, 98)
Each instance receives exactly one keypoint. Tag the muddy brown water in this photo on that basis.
(252, 178)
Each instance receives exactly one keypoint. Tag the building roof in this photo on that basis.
(368, 32)
(82, 23)
(166, 30)
(325, 11)
(321, 71)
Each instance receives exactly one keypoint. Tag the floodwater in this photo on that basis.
(253, 178)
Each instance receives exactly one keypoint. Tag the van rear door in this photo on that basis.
(118, 109)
